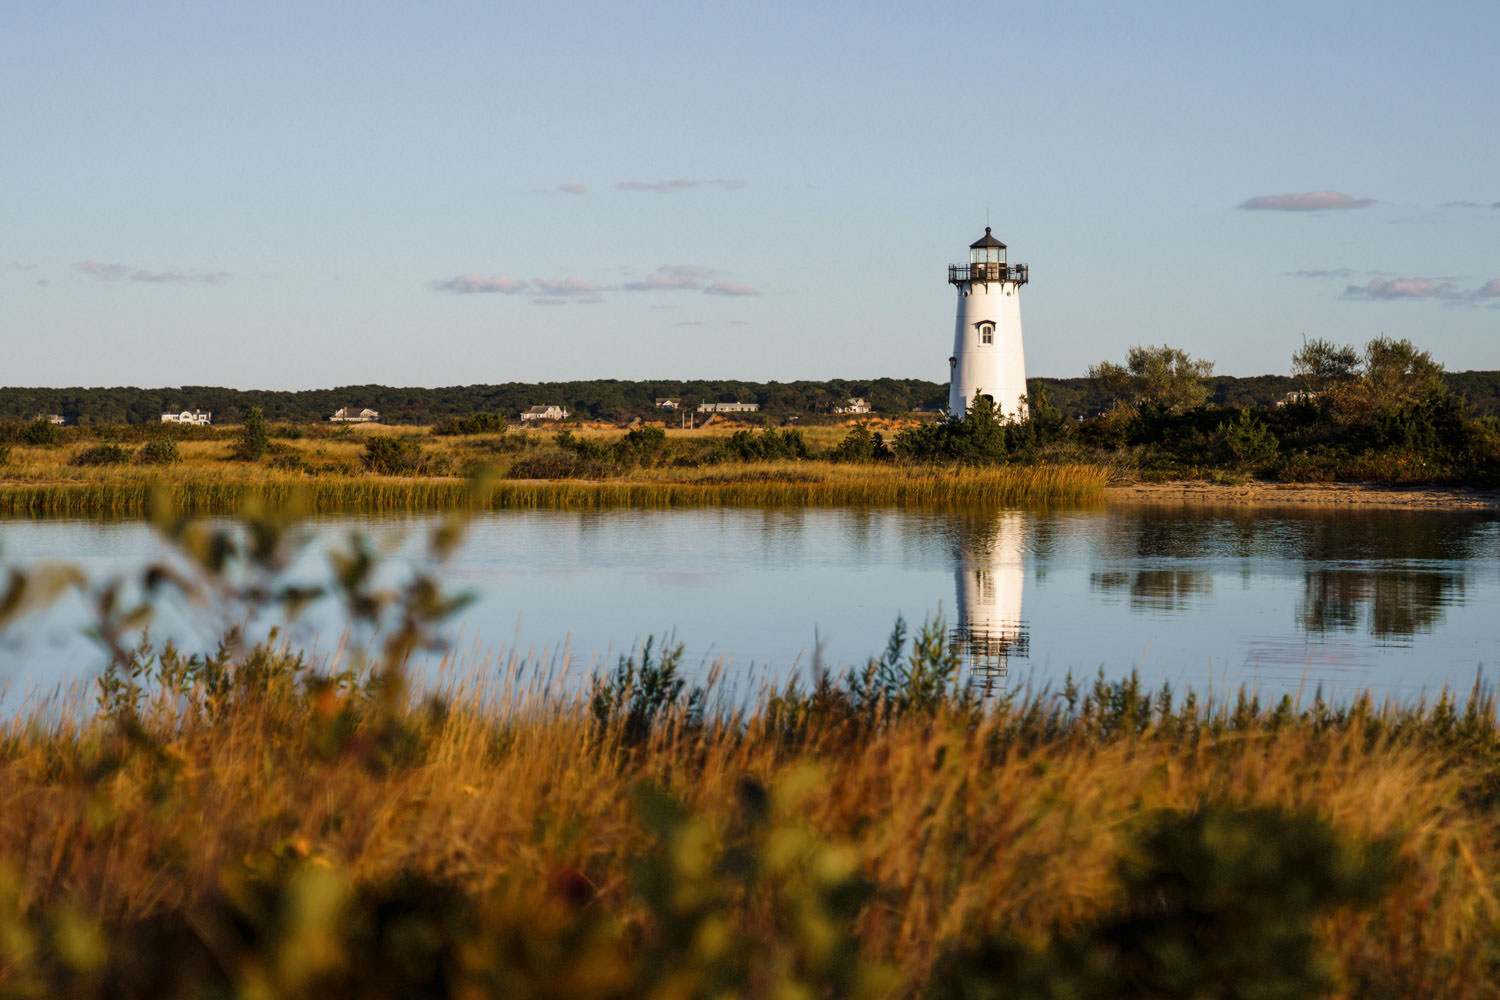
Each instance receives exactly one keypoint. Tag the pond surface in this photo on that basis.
(1290, 600)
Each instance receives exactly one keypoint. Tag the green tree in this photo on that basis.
(1390, 375)
(1321, 365)
(1398, 374)
(1156, 379)
(254, 437)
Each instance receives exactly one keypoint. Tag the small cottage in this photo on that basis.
(348, 415)
(200, 418)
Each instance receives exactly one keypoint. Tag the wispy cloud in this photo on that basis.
(1420, 288)
(1333, 272)
(557, 291)
(678, 184)
(729, 288)
(1470, 204)
(170, 277)
(1310, 201)
(109, 272)
(115, 272)
(672, 278)
(474, 284)
(572, 189)
(561, 291)
(689, 322)
(1401, 288)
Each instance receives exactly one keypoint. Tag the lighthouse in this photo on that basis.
(988, 358)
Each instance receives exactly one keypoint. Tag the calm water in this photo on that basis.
(1398, 601)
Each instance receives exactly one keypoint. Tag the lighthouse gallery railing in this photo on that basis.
(960, 273)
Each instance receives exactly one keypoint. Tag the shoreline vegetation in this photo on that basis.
(129, 493)
(274, 829)
(1365, 425)
(251, 821)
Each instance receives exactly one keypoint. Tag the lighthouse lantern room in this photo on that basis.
(988, 356)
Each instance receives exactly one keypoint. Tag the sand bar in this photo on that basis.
(1271, 494)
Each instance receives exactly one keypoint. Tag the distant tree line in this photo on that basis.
(616, 400)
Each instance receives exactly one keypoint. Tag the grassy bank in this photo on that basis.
(226, 488)
(284, 835)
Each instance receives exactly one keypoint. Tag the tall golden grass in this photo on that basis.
(1014, 816)
(127, 491)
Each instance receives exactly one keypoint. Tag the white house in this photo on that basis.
(668, 404)
(1296, 396)
(856, 404)
(201, 418)
(348, 415)
(728, 407)
(545, 413)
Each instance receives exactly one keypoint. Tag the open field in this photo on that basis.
(284, 835)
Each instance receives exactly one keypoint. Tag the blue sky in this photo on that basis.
(279, 195)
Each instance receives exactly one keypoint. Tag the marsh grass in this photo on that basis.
(964, 818)
(224, 487)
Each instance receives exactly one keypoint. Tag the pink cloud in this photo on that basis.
(1400, 288)
(729, 288)
(569, 287)
(1311, 201)
(673, 277)
(114, 272)
(108, 272)
(573, 189)
(1490, 289)
(472, 284)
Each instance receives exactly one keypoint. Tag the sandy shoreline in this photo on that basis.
(1266, 494)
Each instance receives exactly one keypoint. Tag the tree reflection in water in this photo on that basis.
(1389, 571)
(1389, 574)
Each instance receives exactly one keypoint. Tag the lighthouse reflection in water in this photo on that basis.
(990, 570)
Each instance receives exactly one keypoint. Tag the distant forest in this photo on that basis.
(608, 399)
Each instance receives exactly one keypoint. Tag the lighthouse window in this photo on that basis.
(986, 333)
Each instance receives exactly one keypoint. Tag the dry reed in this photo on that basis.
(1014, 816)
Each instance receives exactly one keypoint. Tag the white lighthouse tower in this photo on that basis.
(987, 354)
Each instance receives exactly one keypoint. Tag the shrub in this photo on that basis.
(5, 447)
(859, 445)
(768, 444)
(477, 423)
(394, 456)
(1244, 441)
(40, 434)
(1218, 902)
(101, 454)
(285, 457)
(158, 451)
(554, 463)
(254, 437)
(640, 446)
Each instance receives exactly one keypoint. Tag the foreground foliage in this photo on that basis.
(248, 822)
